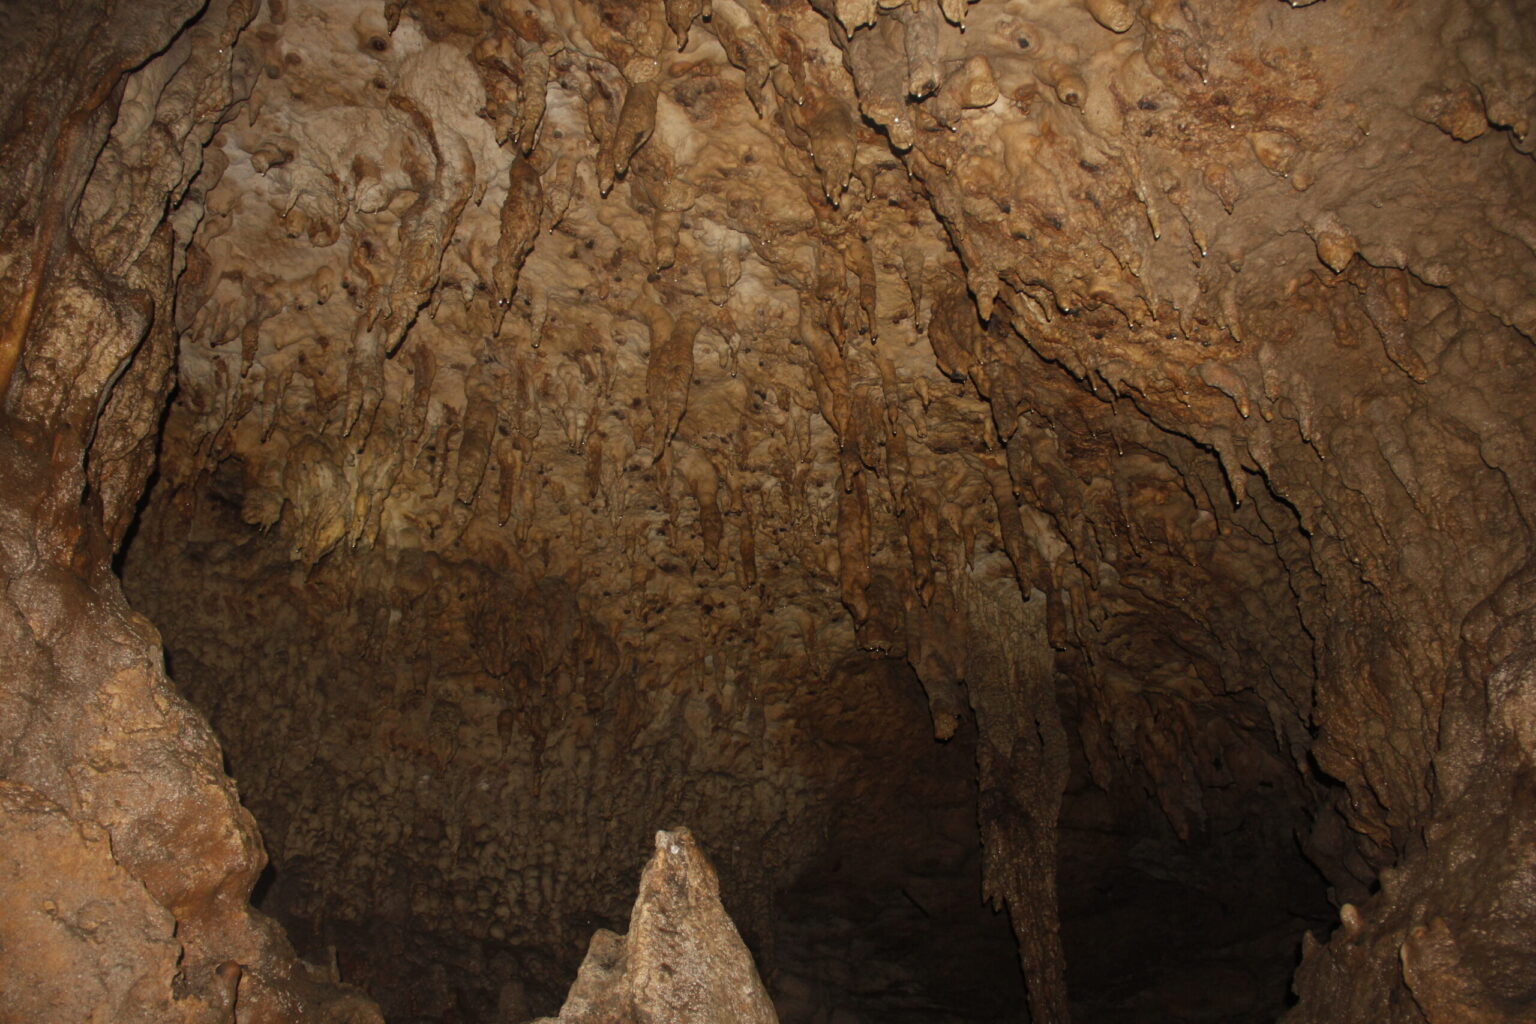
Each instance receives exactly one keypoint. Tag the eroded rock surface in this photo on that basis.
(681, 960)
(573, 400)
(128, 861)
(127, 857)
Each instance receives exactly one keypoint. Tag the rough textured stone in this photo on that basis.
(681, 960)
(128, 859)
(556, 418)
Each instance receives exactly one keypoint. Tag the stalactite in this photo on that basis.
(1022, 758)
(312, 268)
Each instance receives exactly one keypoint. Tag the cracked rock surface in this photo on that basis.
(1074, 454)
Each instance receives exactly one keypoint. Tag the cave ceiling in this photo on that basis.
(530, 397)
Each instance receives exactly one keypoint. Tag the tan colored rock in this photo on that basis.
(681, 961)
(1115, 15)
(84, 940)
(313, 268)
(974, 83)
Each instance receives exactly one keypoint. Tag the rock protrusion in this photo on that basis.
(682, 961)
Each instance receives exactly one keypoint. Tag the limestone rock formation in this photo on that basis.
(126, 860)
(681, 961)
(518, 422)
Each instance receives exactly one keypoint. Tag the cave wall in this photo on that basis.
(128, 860)
(619, 371)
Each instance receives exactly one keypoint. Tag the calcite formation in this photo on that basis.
(682, 959)
(529, 423)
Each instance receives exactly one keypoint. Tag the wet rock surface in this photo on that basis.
(1077, 454)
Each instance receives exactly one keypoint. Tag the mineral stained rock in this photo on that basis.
(529, 421)
(128, 860)
(682, 960)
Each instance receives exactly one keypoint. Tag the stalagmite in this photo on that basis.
(679, 936)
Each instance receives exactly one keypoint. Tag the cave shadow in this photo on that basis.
(887, 921)
(1203, 929)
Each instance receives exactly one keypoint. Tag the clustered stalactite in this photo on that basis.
(564, 391)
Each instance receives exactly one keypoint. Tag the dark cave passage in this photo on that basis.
(872, 913)
(886, 921)
(1205, 930)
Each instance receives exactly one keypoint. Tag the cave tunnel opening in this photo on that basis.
(868, 907)
(454, 796)
(1199, 923)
